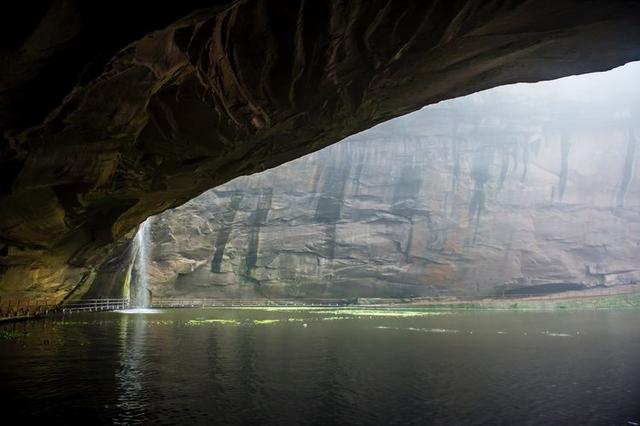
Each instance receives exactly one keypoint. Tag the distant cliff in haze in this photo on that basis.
(510, 188)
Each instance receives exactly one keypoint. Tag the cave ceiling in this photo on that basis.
(114, 111)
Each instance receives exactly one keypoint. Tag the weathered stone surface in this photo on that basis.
(521, 187)
(110, 113)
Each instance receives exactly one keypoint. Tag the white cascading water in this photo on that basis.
(141, 288)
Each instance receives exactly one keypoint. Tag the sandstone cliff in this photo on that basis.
(520, 186)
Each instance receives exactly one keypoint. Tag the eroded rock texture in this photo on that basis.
(110, 113)
(524, 188)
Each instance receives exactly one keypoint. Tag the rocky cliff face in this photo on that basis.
(114, 111)
(515, 187)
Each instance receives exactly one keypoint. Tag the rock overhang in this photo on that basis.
(102, 128)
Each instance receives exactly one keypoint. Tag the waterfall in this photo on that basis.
(141, 297)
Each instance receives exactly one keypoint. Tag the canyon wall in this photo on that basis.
(518, 187)
(111, 112)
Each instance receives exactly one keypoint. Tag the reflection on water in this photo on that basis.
(130, 376)
(266, 367)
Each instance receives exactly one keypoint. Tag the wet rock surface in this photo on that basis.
(114, 112)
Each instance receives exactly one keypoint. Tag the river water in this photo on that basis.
(322, 366)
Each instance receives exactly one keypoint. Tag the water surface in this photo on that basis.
(325, 366)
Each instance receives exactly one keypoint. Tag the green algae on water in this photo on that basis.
(336, 318)
(154, 323)
(67, 322)
(276, 308)
(267, 321)
(354, 311)
(10, 335)
(424, 330)
(400, 313)
(212, 321)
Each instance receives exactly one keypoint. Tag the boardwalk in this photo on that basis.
(24, 308)
(95, 305)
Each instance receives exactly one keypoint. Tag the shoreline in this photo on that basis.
(597, 298)
(622, 297)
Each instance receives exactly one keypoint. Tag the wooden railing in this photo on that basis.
(94, 305)
(24, 308)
